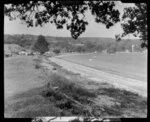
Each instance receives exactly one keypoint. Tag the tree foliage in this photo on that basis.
(63, 13)
(41, 45)
(135, 22)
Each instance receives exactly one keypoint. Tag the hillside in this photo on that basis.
(12, 48)
(11, 38)
(68, 44)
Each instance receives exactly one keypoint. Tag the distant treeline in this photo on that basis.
(68, 44)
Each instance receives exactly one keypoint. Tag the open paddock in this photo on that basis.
(130, 65)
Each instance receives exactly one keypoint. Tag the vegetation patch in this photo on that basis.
(62, 96)
(93, 96)
(67, 94)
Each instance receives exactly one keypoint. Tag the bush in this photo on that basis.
(56, 51)
(41, 45)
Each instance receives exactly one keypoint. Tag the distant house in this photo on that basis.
(49, 53)
(23, 53)
(36, 53)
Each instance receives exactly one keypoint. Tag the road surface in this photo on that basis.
(133, 85)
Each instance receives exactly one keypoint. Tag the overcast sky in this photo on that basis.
(93, 29)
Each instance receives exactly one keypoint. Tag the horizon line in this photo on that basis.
(66, 36)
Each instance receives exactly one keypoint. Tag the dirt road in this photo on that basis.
(101, 76)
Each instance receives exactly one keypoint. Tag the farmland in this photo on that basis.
(131, 65)
(41, 86)
(30, 94)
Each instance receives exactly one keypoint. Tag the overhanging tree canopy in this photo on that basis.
(135, 22)
(61, 13)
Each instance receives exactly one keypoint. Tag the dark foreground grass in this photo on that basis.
(129, 103)
(30, 104)
(77, 97)
(50, 100)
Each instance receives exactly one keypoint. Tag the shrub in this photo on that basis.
(41, 45)
(56, 51)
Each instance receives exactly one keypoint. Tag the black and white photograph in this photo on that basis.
(75, 61)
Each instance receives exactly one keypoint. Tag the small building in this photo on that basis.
(23, 53)
(49, 53)
(36, 53)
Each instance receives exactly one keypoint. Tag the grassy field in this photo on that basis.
(20, 75)
(132, 65)
(54, 91)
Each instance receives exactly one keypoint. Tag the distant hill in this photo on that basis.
(13, 38)
(8, 48)
(61, 42)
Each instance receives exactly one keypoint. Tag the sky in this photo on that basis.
(93, 29)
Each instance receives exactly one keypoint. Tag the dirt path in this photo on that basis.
(100, 76)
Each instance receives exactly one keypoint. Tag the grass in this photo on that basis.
(30, 106)
(20, 75)
(135, 64)
(119, 102)
(83, 97)
(70, 89)
(37, 63)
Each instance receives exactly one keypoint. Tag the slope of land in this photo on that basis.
(131, 65)
(101, 76)
(46, 89)
(103, 42)
(20, 75)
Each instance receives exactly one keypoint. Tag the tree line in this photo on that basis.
(83, 45)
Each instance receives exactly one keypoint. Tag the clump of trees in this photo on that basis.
(72, 16)
(135, 22)
(41, 45)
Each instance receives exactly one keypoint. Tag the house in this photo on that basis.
(23, 53)
(49, 53)
(35, 53)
